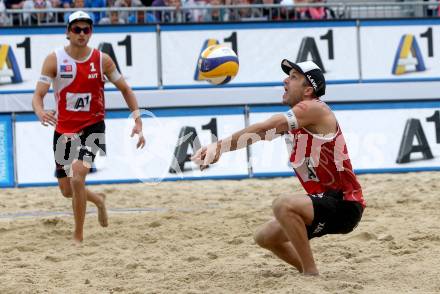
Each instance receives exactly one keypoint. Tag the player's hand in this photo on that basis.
(137, 129)
(47, 117)
(207, 155)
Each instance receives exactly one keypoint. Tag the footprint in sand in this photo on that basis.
(236, 241)
(364, 236)
(212, 255)
(52, 258)
(155, 224)
(403, 252)
(52, 221)
(272, 274)
(386, 237)
(425, 238)
(133, 265)
(25, 248)
(191, 259)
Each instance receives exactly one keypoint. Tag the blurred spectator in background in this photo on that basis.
(140, 17)
(172, 16)
(37, 18)
(269, 13)
(58, 16)
(195, 15)
(316, 12)
(432, 10)
(127, 3)
(15, 4)
(215, 14)
(244, 13)
(77, 4)
(113, 18)
(288, 12)
(66, 4)
(96, 4)
(4, 20)
(160, 4)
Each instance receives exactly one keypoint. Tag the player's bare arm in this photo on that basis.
(48, 73)
(306, 114)
(113, 75)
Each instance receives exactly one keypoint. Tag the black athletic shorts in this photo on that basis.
(84, 146)
(333, 215)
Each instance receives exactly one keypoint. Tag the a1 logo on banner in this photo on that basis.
(414, 130)
(8, 65)
(308, 50)
(188, 137)
(409, 57)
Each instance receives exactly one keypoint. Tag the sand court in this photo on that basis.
(197, 237)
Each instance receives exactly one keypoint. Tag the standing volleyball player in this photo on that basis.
(334, 203)
(77, 73)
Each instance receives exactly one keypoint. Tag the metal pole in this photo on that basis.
(159, 57)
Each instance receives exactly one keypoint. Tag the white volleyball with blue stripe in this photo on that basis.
(218, 64)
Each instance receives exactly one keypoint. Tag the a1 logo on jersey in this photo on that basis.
(78, 101)
(93, 74)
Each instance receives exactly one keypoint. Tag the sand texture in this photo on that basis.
(197, 237)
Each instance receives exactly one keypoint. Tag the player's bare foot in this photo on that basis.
(102, 211)
(311, 273)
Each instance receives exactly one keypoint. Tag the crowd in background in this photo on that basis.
(207, 12)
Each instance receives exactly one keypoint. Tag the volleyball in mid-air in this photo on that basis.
(218, 64)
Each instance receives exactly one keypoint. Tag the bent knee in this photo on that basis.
(282, 206)
(259, 238)
(77, 180)
(66, 192)
(289, 206)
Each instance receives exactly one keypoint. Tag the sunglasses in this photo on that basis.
(78, 30)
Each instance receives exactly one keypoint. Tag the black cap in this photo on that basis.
(311, 71)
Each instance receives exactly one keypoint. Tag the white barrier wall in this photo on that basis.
(260, 49)
(123, 162)
(411, 44)
(363, 61)
(135, 51)
(374, 135)
(381, 137)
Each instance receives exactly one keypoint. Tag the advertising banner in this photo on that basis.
(6, 152)
(22, 53)
(260, 48)
(400, 50)
(171, 136)
(397, 139)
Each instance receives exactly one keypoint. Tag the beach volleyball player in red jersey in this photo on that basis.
(77, 73)
(333, 203)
